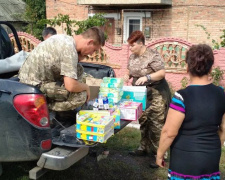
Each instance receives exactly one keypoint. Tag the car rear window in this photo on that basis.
(6, 48)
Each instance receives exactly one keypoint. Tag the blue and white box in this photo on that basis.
(136, 94)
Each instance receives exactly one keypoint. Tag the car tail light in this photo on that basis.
(33, 107)
(46, 144)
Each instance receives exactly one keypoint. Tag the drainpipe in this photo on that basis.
(122, 20)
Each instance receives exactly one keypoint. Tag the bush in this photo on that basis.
(35, 11)
(73, 26)
(217, 75)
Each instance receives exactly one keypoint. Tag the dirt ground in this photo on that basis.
(116, 166)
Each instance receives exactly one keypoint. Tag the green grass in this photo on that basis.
(126, 139)
(222, 164)
(118, 165)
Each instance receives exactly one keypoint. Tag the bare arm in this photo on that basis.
(156, 76)
(222, 131)
(72, 85)
(170, 130)
(126, 77)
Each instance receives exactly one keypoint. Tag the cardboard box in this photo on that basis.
(94, 92)
(94, 121)
(94, 85)
(101, 129)
(136, 94)
(102, 138)
(116, 117)
(93, 81)
(95, 126)
(130, 110)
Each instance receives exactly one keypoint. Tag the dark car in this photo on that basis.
(25, 132)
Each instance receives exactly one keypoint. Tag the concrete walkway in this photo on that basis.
(134, 124)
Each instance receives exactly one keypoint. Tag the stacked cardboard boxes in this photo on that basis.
(95, 126)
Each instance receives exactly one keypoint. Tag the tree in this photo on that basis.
(35, 11)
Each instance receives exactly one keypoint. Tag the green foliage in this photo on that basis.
(205, 30)
(217, 75)
(73, 26)
(222, 37)
(96, 20)
(60, 20)
(36, 16)
(172, 90)
(184, 82)
(216, 45)
(35, 11)
(127, 139)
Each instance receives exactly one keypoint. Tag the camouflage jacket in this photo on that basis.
(50, 61)
(46, 66)
(147, 63)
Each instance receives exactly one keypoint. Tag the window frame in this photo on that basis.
(127, 17)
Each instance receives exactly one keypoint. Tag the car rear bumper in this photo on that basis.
(61, 158)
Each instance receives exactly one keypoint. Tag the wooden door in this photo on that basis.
(109, 28)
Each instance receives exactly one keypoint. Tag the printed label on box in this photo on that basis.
(129, 114)
(130, 110)
(136, 94)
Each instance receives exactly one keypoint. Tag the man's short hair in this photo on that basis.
(48, 30)
(96, 34)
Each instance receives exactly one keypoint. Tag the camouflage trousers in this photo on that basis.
(59, 99)
(151, 123)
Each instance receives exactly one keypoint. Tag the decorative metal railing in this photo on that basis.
(173, 51)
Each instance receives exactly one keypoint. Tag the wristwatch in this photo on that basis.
(148, 77)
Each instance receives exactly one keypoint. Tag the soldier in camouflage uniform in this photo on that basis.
(53, 67)
(146, 67)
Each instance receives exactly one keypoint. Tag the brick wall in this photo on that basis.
(178, 21)
(220, 61)
(65, 7)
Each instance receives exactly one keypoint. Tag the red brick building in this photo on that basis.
(157, 18)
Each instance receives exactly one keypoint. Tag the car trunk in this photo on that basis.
(20, 140)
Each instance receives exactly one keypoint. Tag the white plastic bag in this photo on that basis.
(13, 63)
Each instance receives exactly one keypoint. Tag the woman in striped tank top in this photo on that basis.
(195, 124)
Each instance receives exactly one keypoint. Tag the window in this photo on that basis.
(6, 48)
(132, 22)
(134, 25)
